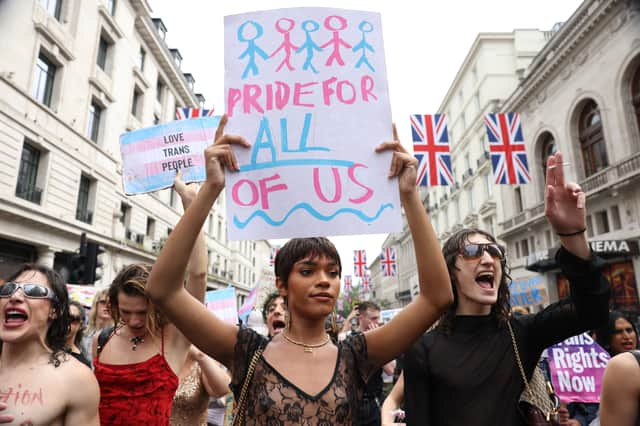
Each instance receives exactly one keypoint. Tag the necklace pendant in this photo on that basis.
(308, 350)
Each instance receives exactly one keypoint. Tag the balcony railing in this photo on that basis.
(29, 193)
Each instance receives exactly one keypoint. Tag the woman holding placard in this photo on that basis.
(300, 376)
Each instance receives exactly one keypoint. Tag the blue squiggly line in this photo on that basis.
(296, 162)
(306, 206)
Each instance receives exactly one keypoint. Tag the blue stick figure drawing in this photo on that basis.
(252, 48)
(365, 27)
(309, 45)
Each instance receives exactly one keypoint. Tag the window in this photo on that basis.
(125, 214)
(172, 197)
(488, 185)
(151, 227)
(594, 153)
(44, 80)
(602, 222)
(524, 248)
(83, 213)
(95, 118)
(548, 149)
(28, 175)
(517, 195)
(635, 95)
(136, 103)
(590, 232)
(103, 53)
(219, 233)
(156, 119)
(111, 7)
(476, 101)
(615, 218)
(159, 90)
(547, 239)
(142, 55)
(54, 7)
(210, 225)
(471, 207)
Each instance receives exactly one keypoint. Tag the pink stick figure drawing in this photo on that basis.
(284, 26)
(335, 24)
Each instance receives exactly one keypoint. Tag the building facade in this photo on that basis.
(489, 73)
(74, 75)
(581, 96)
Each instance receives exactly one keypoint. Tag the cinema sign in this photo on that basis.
(615, 246)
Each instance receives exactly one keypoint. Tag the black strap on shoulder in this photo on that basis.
(637, 355)
(103, 337)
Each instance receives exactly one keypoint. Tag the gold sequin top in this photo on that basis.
(191, 400)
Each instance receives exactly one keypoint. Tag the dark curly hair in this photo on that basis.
(298, 248)
(500, 310)
(59, 326)
(267, 303)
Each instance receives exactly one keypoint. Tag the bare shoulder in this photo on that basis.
(624, 366)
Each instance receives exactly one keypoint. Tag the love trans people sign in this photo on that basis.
(307, 87)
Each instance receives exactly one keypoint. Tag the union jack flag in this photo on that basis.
(347, 284)
(508, 155)
(366, 283)
(431, 149)
(359, 263)
(388, 261)
(273, 254)
(185, 113)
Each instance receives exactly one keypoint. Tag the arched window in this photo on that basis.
(548, 148)
(635, 95)
(594, 152)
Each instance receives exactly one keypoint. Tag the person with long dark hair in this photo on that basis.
(465, 371)
(39, 382)
(300, 376)
(76, 332)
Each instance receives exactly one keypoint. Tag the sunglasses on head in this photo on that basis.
(75, 318)
(475, 251)
(32, 291)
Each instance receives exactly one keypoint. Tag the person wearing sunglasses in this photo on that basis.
(39, 382)
(464, 372)
(76, 331)
(99, 319)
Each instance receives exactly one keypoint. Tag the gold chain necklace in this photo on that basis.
(307, 348)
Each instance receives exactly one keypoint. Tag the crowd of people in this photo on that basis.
(153, 354)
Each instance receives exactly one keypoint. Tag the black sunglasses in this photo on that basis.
(475, 251)
(75, 318)
(32, 291)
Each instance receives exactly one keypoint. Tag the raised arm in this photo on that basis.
(214, 378)
(393, 402)
(386, 342)
(212, 335)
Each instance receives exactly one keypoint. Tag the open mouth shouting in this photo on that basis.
(277, 326)
(485, 280)
(14, 317)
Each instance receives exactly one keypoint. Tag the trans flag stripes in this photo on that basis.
(185, 113)
(359, 263)
(388, 261)
(506, 144)
(431, 149)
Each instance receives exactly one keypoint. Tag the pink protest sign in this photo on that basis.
(308, 88)
(577, 365)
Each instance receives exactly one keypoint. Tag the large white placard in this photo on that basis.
(308, 88)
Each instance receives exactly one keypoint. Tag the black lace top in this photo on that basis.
(273, 400)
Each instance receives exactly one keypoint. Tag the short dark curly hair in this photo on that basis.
(268, 301)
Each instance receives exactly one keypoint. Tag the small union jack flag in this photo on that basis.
(359, 263)
(366, 283)
(273, 254)
(347, 284)
(431, 149)
(185, 113)
(508, 154)
(388, 261)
